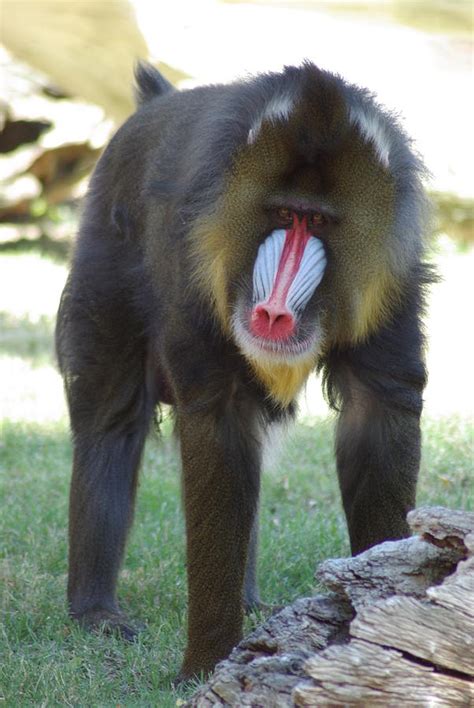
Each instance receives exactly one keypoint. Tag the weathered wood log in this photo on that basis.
(434, 662)
(411, 641)
(361, 674)
(268, 664)
(457, 591)
(442, 527)
(442, 636)
(407, 567)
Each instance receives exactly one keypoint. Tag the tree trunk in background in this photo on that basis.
(87, 48)
(397, 628)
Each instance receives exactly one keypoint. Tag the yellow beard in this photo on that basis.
(283, 381)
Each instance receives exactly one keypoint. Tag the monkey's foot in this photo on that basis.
(200, 659)
(189, 673)
(183, 678)
(111, 623)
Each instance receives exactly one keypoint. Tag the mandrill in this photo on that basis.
(234, 239)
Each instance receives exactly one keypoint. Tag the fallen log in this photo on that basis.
(396, 628)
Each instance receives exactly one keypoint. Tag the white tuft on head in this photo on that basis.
(373, 129)
(277, 109)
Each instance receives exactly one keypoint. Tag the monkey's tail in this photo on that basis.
(149, 83)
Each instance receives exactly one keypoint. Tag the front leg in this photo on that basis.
(378, 456)
(378, 387)
(221, 470)
(251, 592)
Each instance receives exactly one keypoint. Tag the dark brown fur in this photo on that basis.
(177, 208)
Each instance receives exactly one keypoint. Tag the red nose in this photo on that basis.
(272, 322)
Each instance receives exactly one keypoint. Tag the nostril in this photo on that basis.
(263, 315)
(271, 322)
(261, 321)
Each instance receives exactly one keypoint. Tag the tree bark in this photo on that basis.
(397, 628)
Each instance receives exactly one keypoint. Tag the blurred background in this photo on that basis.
(66, 84)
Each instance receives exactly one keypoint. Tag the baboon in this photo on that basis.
(236, 238)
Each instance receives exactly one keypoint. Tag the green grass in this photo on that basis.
(46, 660)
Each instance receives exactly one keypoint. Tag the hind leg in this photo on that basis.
(101, 508)
(104, 365)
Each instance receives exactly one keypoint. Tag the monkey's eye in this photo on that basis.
(284, 216)
(317, 219)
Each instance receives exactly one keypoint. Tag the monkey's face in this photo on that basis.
(304, 251)
(275, 324)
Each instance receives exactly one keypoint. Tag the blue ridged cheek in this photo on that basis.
(308, 277)
(266, 265)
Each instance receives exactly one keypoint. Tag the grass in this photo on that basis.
(46, 660)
